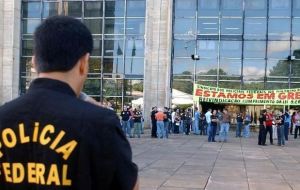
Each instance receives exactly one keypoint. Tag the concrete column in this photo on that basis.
(10, 18)
(157, 55)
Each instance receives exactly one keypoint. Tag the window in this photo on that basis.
(185, 8)
(135, 26)
(254, 49)
(93, 9)
(231, 26)
(184, 48)
(50, 9)
(29, 26)
(114, 8)
(113, 65)
(296, 8)
(97, 47)
(278, 68)
(231, 49)
(206, 66)
(232, 8)
(280, 8)
(296, 28)
(208, 26)
(185, 26)
(134, 48)
(94, 65)
(183, 66)
(255, 8)
(114, 26)
(279, 29)
(73, 9)
(230, 67)
(113, 47)
(136, 8)
(134, 66)
(31, 10)
(278, 49)
(255, 28)
(208, 8)
(27, 47)
(208, 48)
(94, 25)
(254, 70)
(296, 49)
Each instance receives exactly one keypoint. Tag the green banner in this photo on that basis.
(258, 97)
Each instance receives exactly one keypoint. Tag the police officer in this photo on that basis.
(51, 139)
(262, 128)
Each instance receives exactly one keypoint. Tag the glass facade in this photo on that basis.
(242, 44)
(118, 28)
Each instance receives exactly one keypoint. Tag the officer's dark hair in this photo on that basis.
(59, 42)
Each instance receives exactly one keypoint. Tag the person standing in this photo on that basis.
(225, 124)
(137, 119)
(247, 122)
(196, 121)
(213, 127)
(202, 124)
(262, 128)
(125, 117)
(269, 123)
(167, 121)
(67, 143)
(293, 122)
(208, 121)
(279, 122)
(239, 124)
(173, 114)
(188, 121)
(287, 122)
(297, 124)
(153, 120)
(220, 118)
(160, 116)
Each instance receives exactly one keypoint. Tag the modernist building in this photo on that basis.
(143, 48)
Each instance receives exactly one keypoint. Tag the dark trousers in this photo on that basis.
(202, 129)
(212, 133)
(291, 129)
(154, 129)
(262, 135)
(286, 130)
(297, 128)
(270, 130)
(187, 125)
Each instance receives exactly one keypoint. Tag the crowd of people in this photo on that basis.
(279, 125)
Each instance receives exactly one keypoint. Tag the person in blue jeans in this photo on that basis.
(137, 119)
(125, 121)
(225, 126)
(279, 121)
(247, 122)
(287, 122)
(213, 127)
(208, 121)
(239, 125)
(196, 122)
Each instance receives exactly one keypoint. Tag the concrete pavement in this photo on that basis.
(191, 163)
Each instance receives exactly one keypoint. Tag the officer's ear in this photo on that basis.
(84, 64)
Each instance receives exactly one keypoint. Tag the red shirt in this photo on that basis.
(269, 120)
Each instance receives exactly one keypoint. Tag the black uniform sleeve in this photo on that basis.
(126, 173)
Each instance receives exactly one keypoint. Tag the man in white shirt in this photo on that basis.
(208, 120)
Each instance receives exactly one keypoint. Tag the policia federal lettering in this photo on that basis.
(37, 173)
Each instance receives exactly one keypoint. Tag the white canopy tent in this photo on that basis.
(178, 98)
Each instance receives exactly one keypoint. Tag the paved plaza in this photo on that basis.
(190, 163)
